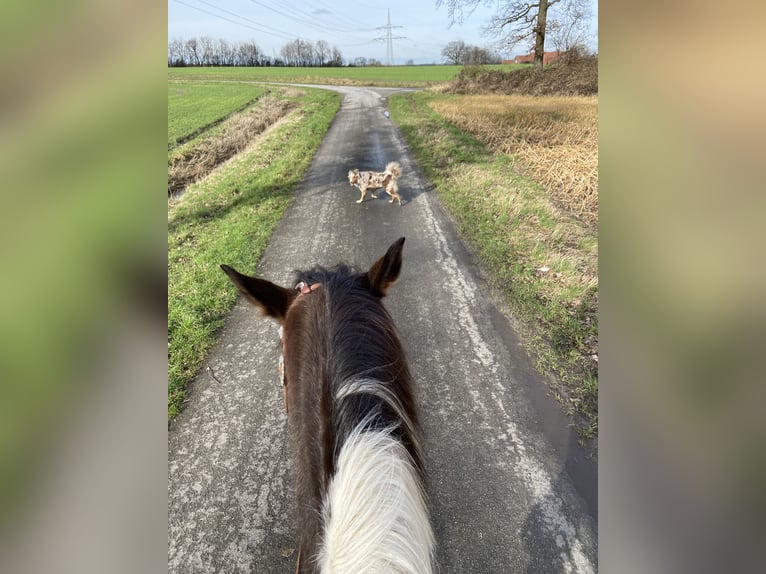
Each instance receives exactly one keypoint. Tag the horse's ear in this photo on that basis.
(385, 271)
(272, 299)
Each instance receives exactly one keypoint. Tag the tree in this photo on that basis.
(176, 52)
(208, 53)
(249, 54)
(192, 52)
(475, 56)
(515, 21)
(568, 28)
(460, 53)
(454, 52)
(321, 52)
(305, 50)
(337, 58)
(224, 53)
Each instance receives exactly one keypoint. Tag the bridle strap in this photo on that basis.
(306, 289)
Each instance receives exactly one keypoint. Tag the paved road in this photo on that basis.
(509, 489)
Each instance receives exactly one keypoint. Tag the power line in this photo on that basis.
(328, 18)
(276, 33)
(301, 17)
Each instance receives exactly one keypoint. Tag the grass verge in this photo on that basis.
(229, 217)
(541, 258)
(194, 108)
(201, 155)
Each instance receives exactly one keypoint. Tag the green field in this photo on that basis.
(394, 76)
(194, 106)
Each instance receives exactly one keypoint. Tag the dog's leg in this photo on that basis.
(396, 194)
(364, 192)
(393, 191)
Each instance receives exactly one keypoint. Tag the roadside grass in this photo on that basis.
(539, 256)
(196, 158)
(382, 76)
(192, 107)
(228, 217)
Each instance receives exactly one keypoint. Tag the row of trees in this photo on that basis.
(303, 53)
(460, 53)
(206, 51)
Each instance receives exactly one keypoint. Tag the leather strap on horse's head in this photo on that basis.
(306, 289)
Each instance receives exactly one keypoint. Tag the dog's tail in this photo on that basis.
(394, 168)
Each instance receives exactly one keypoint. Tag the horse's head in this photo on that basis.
(275, 301)
(339, 305)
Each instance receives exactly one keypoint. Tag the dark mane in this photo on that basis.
(360, 341)
(339, 333)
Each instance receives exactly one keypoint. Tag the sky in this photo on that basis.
(353, 26)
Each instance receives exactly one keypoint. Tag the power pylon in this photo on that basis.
(389, 39)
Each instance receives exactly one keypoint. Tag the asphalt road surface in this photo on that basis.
(510, 491)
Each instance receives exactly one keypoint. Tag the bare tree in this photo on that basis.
(458, 52)
(515, 21)
(290, 53)
(192, 52)
(225, 53)
(249, 54)
(337, 57)
(176, 52)
(568, 28)
(298, 53)
(322, 52)
(475, 56)
(454, 52)
(305, 51)
(207, 50)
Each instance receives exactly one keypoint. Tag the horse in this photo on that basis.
(356, 441)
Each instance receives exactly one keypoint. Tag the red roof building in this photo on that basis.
(548, 57)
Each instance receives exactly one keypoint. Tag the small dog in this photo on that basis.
(386, 180)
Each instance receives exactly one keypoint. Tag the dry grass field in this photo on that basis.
(555, 139)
